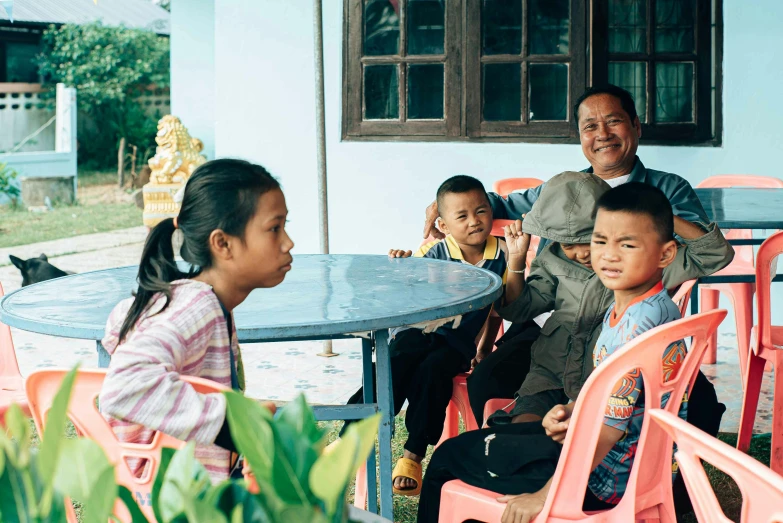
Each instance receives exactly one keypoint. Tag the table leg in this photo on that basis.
(386, 406)
(368, 383)
(103, 356)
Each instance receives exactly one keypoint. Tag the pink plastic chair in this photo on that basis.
(683, 296)
(459, 406)
(41, 387)
(762, 489)
(506, 186)
(766, 346)
(648, 496)
(740, 294)
(11, 381)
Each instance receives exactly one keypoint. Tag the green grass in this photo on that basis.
(20, 227)
(405, 507)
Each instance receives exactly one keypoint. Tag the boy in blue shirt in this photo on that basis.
(424, 364)
(632, 243)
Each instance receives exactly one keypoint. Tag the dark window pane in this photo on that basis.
(501, 26)
(548, 92)
(502, 90)
(425, 91)
(381, 27)
(547, 24)
(674, 86)
(425, 26)
(627, 26)
(381, 92)
(632, 76)
(674, 26)
(21, 65)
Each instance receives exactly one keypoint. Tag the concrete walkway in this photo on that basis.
(76, 245)
(280, 371)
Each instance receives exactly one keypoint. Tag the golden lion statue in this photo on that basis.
(176, 157)
(177, 154)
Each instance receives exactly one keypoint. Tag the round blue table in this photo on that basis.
(323, 297)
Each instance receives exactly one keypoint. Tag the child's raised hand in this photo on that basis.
(399, 253)
(517, 241)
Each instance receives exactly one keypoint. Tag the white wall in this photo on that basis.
(265, 107)
(193, 68)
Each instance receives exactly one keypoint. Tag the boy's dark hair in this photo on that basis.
(459, 184)
(221, 194)
(626, 100)
(640, 198)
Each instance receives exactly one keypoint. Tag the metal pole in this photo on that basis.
(320, 129)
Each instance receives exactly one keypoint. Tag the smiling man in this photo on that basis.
(609, 131)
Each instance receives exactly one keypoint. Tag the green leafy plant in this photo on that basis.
(7, 185)
(298, 477)
(107, 66)
(35, 482)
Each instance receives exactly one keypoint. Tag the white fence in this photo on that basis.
(23, 110)
(60, 159)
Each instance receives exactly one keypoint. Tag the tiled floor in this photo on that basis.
(280, 371)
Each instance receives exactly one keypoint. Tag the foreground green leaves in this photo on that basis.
(299, 479)
(27, 478)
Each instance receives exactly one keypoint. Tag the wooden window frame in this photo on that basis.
(588, 65)
(354, 124)
(524, 130)
(699, 132)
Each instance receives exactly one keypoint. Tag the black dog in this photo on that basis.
(36, 270)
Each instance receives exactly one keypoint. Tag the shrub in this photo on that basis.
(8, 187)
(107, 66)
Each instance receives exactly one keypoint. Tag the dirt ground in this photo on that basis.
(104, 194)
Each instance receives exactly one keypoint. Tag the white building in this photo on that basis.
(243, 81)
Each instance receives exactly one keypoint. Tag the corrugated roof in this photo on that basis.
(142, 14)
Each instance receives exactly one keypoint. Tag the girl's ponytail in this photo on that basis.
(157, 270)
(220, 194)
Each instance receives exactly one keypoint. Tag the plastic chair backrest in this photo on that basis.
(762, 489)
(683, 296)
(41, 387)
(650, 484)
(766, 268)
(724, 181)
(9, 367)
(506, 186)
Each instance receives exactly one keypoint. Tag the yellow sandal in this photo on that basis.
(407, 468)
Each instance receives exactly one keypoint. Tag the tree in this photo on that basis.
(107, 66)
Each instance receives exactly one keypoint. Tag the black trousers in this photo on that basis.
(422, 369)
(502, 372)
(520, 456)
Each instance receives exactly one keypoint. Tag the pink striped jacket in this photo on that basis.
(142, 392)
